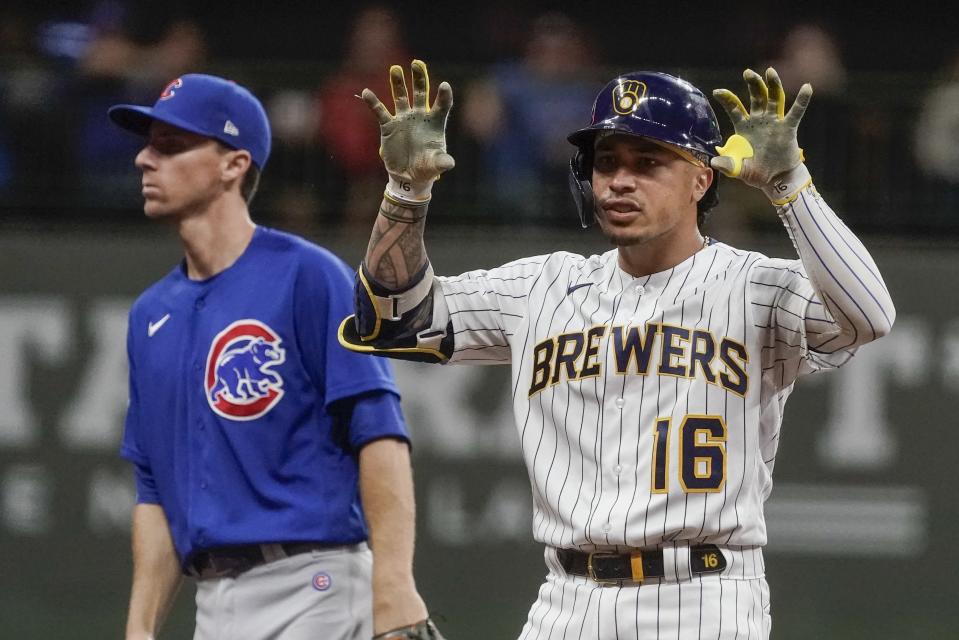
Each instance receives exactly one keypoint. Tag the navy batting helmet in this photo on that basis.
(653, 105)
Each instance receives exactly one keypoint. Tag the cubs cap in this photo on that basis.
(208, 106)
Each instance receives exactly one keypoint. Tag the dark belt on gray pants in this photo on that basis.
(638, 565)
(230, 562)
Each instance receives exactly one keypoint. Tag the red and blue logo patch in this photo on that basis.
(241, 381)
(322, 581)
(169, 90)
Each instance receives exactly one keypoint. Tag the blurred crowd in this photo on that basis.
(885, 154)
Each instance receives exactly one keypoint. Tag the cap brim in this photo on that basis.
(137, 119)
(132, 118)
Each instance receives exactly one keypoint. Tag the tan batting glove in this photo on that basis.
(764, 151)
(413, 142)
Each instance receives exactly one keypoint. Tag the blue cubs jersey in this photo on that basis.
(234, 425)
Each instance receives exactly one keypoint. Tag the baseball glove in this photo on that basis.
(422, 630)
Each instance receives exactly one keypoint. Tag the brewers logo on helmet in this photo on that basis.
(653, 105)
(626, 96)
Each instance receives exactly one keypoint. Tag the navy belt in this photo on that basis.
(232, 561)
(636, 566)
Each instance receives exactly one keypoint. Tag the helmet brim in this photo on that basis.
(585, 139)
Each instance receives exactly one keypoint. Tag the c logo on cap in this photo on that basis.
(169, 92)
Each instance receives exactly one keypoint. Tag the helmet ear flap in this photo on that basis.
(580, 174)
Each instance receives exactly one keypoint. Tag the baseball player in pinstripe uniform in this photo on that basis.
(265, 455)
(648, 382)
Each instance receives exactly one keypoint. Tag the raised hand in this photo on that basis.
(764, 145)
(413, 140)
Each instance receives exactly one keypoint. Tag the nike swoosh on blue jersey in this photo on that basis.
(153, 327)
(574, 287)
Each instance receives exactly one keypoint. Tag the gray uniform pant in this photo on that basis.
(321, 594)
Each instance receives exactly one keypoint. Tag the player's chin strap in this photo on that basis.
(582, 189)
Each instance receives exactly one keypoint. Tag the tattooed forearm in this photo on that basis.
(386, 274)
(396, 250)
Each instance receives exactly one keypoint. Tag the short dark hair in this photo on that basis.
(251, 181)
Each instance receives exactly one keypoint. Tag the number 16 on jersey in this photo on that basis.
(702, 454)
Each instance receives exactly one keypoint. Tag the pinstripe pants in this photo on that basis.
(723, 606)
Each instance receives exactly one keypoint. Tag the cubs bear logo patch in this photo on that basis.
(241, 381)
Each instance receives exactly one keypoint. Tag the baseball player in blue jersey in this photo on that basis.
(265, 455)
(648, 383)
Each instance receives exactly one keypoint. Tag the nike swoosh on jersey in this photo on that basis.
(574, 287)
(153, 327)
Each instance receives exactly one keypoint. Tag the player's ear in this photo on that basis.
(702, 180)
(236, 162)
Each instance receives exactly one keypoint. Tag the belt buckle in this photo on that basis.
(591, 571)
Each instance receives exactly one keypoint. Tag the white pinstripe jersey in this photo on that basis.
(649, 408)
